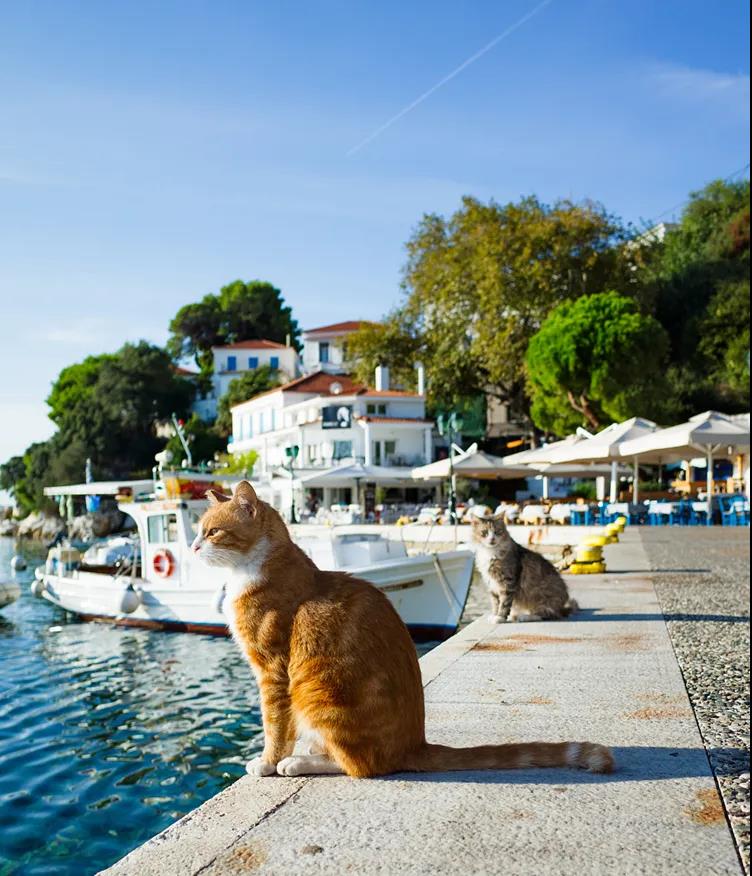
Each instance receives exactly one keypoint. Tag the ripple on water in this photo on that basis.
(108, 735)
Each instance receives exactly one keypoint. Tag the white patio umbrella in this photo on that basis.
(540, 457)
(353, 475)
(605, 446)
(704, 434)
(580, 470)
(546, 452)
(345, 475)
(472, 464)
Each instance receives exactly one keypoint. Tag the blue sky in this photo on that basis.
(151, 152)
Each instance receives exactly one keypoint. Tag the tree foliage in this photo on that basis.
(107, 409)
(240, 311)
(111, 404)
(247, 386)
(479, 284)
(594, 360)
(700, 274)
(202, 439)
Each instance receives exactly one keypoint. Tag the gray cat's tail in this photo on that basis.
(570, 606)
(582, 755)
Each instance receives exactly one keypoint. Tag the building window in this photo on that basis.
(232, 363)
(376, 409)
(253, 362)
(323, 352)
(342, 450)
(389, 448)
(274, 362)
(377, 452)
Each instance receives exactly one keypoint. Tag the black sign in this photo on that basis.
(336, 417)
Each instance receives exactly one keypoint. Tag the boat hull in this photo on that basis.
(428, 591)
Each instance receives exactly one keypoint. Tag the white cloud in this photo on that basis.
(695, 85)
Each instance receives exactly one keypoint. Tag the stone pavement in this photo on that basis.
(609, 675)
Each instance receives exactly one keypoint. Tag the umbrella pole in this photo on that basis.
(613, 492)
(545, 487)
(709, 487)
(636, 483)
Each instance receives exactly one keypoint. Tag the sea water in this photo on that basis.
(109, 734)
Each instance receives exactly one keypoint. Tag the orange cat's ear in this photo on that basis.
(246, 497)
(216, 498)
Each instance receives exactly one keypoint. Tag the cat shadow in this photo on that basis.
(634, 763)
(594, 614)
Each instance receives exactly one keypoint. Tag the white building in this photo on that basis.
(324, 348)
(333, 421)
(233, 360)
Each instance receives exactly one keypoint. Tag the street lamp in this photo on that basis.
(292, 454)
(450, 425)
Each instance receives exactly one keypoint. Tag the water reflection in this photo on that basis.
(108, 735)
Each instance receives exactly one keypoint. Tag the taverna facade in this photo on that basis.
(323, 421)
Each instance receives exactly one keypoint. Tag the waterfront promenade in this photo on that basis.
(610, 675)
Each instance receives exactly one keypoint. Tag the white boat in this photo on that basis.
(162, 584)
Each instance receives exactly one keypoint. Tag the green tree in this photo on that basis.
(700, 274)
(593, 360)
(12, 474)
(109, 407)
(479, 284)
(202, 439)
(250, 384)
(241, 311)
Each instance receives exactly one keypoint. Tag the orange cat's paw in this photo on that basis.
(259, 767)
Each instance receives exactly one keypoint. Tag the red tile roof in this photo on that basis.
(258, 344)
(350, 326)
(184, 372)
(318, 383)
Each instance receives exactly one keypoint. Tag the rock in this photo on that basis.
(40, 526)
(8, 527)
(88, 527)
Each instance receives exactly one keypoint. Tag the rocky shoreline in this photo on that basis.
(46, 527)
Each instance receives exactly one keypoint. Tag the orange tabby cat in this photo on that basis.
(334, 661)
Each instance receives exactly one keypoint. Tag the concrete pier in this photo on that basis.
(608, 675)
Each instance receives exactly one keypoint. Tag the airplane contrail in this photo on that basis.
(418, 100)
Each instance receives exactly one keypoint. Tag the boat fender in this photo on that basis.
(163, 563)
(37, 586)
(218, 599)
(18, 563)
(130, 600)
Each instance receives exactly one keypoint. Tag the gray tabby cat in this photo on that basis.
(523, 584)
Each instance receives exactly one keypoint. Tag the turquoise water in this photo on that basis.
(108, 735)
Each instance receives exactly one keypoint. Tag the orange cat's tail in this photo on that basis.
(584, 755)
